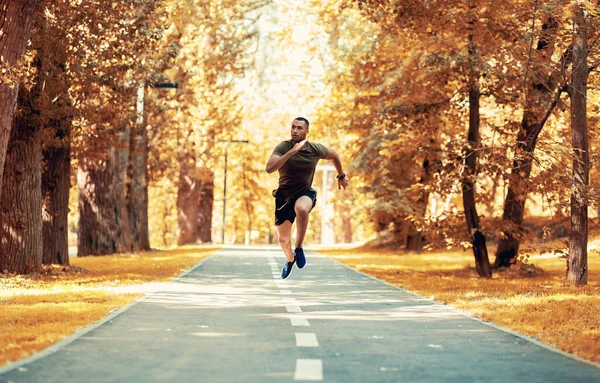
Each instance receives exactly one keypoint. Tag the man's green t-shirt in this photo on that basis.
(296, 175)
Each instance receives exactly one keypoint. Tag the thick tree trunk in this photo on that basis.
(125, 239)
(56, 183)
(577, 268)
(103, 219)
(21, 197)
(205, 210)
(189, 195)
(414, 238)
(137, 188)
(57, 110)
(16, 19)
(540, 100)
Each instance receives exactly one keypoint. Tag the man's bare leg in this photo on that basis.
(302, 207)
(284, 233)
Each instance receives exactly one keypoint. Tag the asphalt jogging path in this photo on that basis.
(232, 319)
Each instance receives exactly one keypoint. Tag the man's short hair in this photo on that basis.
(303, 120)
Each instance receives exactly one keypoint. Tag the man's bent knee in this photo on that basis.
(302, 212)
(284, 241)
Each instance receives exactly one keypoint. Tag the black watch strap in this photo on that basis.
(340, 176)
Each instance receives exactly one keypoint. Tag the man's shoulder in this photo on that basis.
(316, 144)
(283, 147)
(320, 149)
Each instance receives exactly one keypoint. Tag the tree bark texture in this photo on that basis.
(21, 197)
(205, 210)
(57, 110)
(56, 183)
(577, 267)
(189, 195)
(539, 102)
(137, 189)
(103, 219)
(16, 19)
(478, 240)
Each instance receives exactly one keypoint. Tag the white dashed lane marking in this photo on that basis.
(299, 321)
(306, 340)
(309, 369)
(293, 309)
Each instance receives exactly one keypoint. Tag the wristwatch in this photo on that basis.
(340, 176)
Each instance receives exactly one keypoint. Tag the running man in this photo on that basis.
(296, 160)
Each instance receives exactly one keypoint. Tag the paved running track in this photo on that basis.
(232, 319)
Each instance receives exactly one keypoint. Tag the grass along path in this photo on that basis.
(39, 310)
(542, 305)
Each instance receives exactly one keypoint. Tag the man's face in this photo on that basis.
(299, 130)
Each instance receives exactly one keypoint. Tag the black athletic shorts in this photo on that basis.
(284, 210)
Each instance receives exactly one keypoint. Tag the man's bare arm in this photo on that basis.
(333, 156)
(276, 162)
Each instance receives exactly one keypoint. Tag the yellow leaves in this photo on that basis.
(590, 7)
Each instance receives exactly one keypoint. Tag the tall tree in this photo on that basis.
(56, 115)
(478, 240)
(103, 220)
(137, 185)
(16, 18)
(21, 199)
(577, 266)
(541, 97)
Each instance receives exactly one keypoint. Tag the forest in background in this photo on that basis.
(457, 121)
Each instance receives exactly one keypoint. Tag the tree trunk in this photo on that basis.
(346, 226)
(539, 103)
(56, 183)
(414, 238)
(103, 219)
(205, 210)
(189, 195)
(57, 110)
(577, 268)
(137, 187)
(16, 19)
(21, 202)
(478, 241)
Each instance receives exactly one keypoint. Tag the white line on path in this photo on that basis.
(290, 301)
(293, 309)
(309, 369)
(306, 340)
(298, 321)
(285, 292)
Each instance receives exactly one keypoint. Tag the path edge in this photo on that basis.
(471, 316)
(10, 366)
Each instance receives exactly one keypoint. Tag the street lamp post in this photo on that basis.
(225, 186)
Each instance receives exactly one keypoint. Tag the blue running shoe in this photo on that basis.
(300, 258)
(287, 269)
